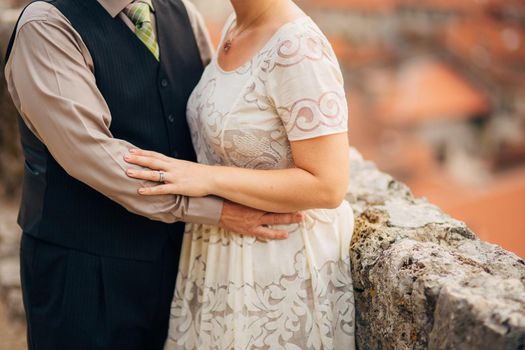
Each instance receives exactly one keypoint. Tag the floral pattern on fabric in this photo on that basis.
(238, 292)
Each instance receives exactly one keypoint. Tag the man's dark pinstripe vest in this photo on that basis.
(147, 100)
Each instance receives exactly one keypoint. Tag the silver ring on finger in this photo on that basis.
(162, 177)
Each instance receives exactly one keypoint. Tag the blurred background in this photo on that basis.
(436, 90)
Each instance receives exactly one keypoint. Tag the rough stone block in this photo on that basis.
(423, 280)
(483, 312)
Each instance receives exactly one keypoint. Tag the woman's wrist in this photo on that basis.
(215, 175)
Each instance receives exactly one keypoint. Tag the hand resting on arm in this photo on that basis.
(319, 179)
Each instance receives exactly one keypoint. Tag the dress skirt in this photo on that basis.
(238, 292)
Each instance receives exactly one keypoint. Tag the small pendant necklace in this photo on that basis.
(229, 42)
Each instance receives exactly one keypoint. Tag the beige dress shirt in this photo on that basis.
(50, 76)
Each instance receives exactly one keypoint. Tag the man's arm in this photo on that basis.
(50, 78)
(56, 94)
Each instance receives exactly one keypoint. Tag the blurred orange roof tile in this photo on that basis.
(497, 39)
(428, 90)
(496, 47)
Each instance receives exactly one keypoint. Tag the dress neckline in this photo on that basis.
(258, 52)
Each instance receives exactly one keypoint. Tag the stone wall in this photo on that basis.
(424, 280)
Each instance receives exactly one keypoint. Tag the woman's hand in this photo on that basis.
(180, 176)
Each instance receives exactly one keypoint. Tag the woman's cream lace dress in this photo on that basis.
(237, 292)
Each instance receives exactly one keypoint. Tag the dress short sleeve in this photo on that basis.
(305, 84)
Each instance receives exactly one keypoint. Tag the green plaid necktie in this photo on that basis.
(139, 12)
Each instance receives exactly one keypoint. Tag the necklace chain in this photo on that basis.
(229, 42)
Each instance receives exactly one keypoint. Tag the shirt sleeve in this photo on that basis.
(56, 94)
(305, 86)
(202, 35)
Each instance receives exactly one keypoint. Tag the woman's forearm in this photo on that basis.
(280, 191)
(318, 180)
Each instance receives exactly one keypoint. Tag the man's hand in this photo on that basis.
(252, 222)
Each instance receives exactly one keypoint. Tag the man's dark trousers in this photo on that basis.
(113, 303)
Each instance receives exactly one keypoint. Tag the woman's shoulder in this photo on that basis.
(298, 40)
(301, 26)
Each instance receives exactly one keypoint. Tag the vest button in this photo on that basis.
(171, 118)
(164, 83)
